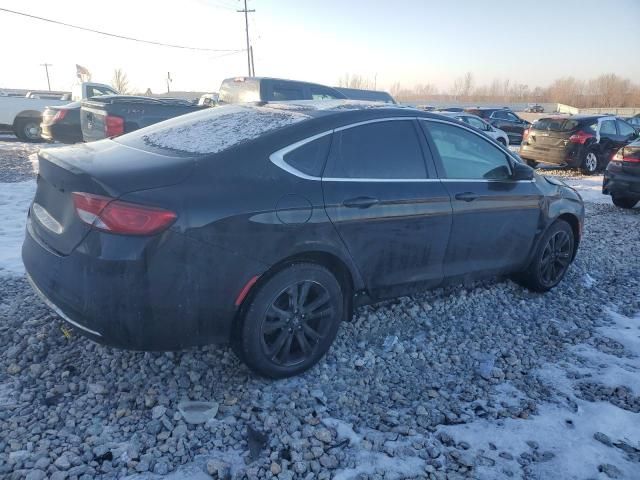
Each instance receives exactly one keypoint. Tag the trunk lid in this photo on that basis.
(554, 132)
(103, 168)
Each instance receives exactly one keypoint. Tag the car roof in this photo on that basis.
(575, 117)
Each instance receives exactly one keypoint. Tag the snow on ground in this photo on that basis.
(15, 199)
(589, 188)
(562, 435)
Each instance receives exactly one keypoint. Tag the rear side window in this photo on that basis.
(381, 150)
(608, 127)
(465, 155)
(321, 93)
(287, 92)
(310, 157)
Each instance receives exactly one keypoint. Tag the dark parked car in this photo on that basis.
(263, 89)
(634, 122)
(366, 95)
(503, 119)
(535, 108)
(267, 236)
(581, 141)
(61, 123)
(622, 176)
(112, 115)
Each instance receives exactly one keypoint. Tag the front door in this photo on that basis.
(392, 215)
(495, 218)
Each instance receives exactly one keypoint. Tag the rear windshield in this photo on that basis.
(212, 130)
(557, 124)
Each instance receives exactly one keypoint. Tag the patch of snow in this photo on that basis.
(216, 129)
(508, 395)
(344, 431)
(589, 188)
(15, 199)
(393, 467)
(566, 426)
(588, 281)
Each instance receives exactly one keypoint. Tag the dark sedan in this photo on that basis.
(503, 119)
(62, 123)
(622, 177)
(264, 226)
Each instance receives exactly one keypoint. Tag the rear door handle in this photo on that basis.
(360, 202)
(466, 196)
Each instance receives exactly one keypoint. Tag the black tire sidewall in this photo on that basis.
(250, 342)
(624, 202)
(533, 276)
(20, 128)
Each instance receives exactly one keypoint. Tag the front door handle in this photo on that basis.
(466, 196)
(360, 202)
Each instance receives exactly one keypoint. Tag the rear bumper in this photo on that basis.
(571, 157)
(621, 184)
(61, 133)
(163, 293)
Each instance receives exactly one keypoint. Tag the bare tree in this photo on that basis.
(355, 81)
(120, 81)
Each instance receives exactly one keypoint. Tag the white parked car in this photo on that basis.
(23, 114)
(477, 122)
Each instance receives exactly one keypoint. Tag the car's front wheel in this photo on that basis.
(551, 258)
(28, 129)
(624, 202)
(291, 321)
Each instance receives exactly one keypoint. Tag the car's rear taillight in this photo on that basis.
(113, 126)
(115, 216)
(580, 137)
(60, 114)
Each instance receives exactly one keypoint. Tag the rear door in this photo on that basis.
(495, 218)
(391, 212)
(610, 139)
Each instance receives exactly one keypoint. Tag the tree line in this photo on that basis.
(607, 90)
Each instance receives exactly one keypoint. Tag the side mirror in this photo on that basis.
(521, 172)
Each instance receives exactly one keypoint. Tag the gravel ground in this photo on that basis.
(482, 381)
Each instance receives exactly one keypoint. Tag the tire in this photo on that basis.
(624, 202)
(551, 260)
(28, 129)
(278, 338)
(590, 162)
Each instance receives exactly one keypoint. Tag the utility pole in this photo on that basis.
(246, 23)
(253, 66)
(46, 69)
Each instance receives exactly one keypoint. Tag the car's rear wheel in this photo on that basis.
(624, 202)
(28, 129)
(551, 259)
(590, 162)
(291, 321)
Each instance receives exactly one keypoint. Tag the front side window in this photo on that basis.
(466, 155)
(625, 129)
(380, 150)
(608, 127)
(500, 115)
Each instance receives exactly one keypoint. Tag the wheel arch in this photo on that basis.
(347, 276)
(574, 223)
(26, 114)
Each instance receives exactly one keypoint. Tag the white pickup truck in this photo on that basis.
(22, 115)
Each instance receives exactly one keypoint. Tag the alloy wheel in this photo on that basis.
(591, 162)
(556, 257)
(31, 130)
(295, 322)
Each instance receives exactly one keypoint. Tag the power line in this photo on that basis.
(246, 22)
(122, 37)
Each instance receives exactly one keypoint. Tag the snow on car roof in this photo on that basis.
(216, 129)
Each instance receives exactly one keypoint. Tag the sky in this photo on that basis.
(407, 41)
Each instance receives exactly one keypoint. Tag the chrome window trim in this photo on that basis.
(277, 157)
